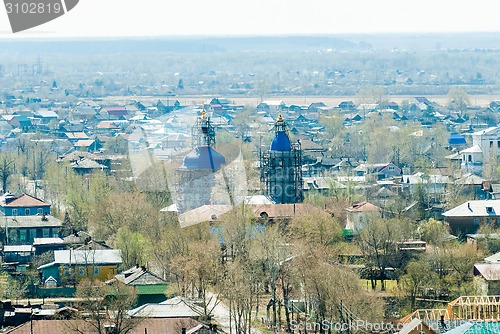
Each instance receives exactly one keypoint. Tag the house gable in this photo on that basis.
(24, 205)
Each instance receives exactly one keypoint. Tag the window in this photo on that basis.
(82, 271)
(55, 232)
(45, 232)
(40, 211)
(32, 235)
(27, 212)
(22, 235)
(96, 271)
(66, 271)
(14, 212)
(469, 158)
(491, 143)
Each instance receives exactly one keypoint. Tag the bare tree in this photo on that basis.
(330, 292)
(200, 271)
(103, 308)
(378, 241)
(459, 101)
(6, 170)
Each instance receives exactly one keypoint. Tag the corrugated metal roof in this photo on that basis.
(139, 276)
(17, 248)
(495, 258)
(151, 289)
(475, 209)
(489, 271)
(29, 221)
(165, 326)
(94, 256)
(47, 241)
(172, 308)
(473, 149)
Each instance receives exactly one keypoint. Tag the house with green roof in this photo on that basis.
(149, 287)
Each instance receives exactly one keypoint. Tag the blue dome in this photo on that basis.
(203, 157)
(281, 142)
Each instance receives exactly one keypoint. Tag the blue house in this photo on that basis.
(24, 205)
(20, 254)
(70, 266)
(26, 218)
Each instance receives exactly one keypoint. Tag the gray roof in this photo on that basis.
(47, 113)
(47, 241)
(464, 328)
(85, 257)
(490, 271)
(421, 178)
(473, 149)
(321, 182)
(176, 307)
(257, 199)
(29, 221)
(495, 258)
(407, 328)
(17, 248)
(138, 276)
(475, 209)
(470, 179)
(495, 188)
(88, 164)
(485, 131)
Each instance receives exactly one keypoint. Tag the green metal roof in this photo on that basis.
(153, 289)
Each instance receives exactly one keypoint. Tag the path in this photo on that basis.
(221, 315)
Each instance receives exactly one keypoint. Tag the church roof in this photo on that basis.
(281, 142)
(203, 157)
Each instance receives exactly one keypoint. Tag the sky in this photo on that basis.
(121, 18)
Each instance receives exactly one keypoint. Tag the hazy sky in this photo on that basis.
(263, 17)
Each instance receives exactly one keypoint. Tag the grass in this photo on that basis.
(391, 286)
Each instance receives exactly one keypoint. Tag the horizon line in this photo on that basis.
(46, 35)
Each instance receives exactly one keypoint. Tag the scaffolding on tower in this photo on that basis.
(196, 178)
(203, 131)
(281, 167)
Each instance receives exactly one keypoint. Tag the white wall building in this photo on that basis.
(485, 146)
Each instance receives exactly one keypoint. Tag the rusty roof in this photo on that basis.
(25, 200)
(363, 207)
(157, 325)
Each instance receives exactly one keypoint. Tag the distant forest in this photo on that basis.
(257, 66)
(358, 42)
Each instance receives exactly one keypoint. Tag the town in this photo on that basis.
(162, 210)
